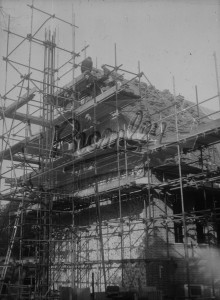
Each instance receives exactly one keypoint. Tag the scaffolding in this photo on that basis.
(94, 203)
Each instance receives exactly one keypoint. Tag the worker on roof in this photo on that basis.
(86, 64)
(106, 71)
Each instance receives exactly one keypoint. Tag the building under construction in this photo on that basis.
(113, 186)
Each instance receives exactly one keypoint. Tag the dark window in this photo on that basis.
(178, 232)
(200, 231)
(218, 233)
(195, 290)
(178, 224)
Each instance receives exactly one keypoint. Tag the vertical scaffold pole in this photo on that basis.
(217, 78)
(119, 173)
(3, 103)
(181, 193)
(73, 109)
(48, 88)
(197, 103)
(25, 172)
(97, 198)
(139, 83)
(50, 146)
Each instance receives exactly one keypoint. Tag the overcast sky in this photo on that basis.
(169, 38)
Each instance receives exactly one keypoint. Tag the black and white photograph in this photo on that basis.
(110, 149)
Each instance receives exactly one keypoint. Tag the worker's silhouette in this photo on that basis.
(86, 64)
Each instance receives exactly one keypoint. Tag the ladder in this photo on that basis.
(10, 247)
